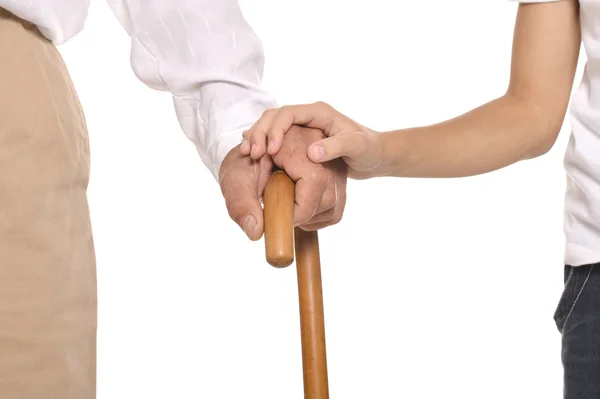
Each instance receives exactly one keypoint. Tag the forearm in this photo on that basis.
(522, 124)
(490, 137)
(209, 58)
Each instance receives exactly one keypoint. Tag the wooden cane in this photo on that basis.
(279, 238)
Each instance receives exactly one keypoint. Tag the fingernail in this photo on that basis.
(318, 152)
(249, 224)
(271, 145)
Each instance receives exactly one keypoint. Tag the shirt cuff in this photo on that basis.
(215, 136)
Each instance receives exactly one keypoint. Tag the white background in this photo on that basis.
(433, 289)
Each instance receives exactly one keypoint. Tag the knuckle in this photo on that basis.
(323, 105)
(276, 133)
(233, 207)
(328, 216)
(328, 200)
(285, 113)
(319, 175)
(269, 112)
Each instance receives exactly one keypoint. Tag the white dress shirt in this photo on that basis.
(202, 51)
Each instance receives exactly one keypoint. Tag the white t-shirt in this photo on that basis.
(582, 159)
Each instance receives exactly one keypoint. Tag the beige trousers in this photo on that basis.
(47, 266)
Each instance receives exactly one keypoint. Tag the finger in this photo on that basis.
(311, 178)
(308, 194)
(327, 206)
(258, 144)
(245, 147)
(333, 197)
(311, 182)
(329, 199)
(326, 219)
(351, 145)
(320, 218)
(282, 122)
(319, 115)
(333, 215)
(257, 134)
(316, 226)
(241, 198)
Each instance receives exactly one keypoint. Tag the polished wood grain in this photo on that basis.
(279, 219)
(280, 236)
(312, 318)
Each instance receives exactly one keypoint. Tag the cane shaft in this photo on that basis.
(312, 320)
(280, 240)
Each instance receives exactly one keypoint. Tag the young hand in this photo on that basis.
(358, 146)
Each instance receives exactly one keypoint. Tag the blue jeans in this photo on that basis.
(578, 319)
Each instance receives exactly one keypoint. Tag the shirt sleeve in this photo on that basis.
(206, 54)
(57, 20)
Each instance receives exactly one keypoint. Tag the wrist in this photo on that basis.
(393, 153)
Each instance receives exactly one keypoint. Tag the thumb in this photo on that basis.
(244, 208)
(351, 145)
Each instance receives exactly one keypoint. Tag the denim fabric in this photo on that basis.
(578, 319)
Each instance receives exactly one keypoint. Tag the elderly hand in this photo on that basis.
(320, 195)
